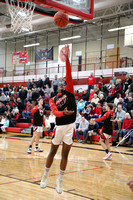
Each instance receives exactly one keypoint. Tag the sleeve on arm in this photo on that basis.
(69, 81)
(102, 118)
(55, 109)
(34, 109)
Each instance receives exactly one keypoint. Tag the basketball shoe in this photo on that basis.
(38, 150)
(43, 183)
(29, 150)
(108, 155)
(59, 188)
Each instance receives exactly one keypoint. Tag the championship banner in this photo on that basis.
(19, 57)
(61, 58)
(44, 54)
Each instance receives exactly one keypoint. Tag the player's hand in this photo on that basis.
(67, 112)
(130, 183)
(66, 52)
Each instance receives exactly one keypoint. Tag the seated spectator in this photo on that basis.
(126, 126)
(27, 112)
(130, 106)
(51, 93)
(29, 96)
(3, 98)
(85, 95)
(95, 99)
(78, 119)
(2, 109)
(46, 101)
(127, 82)
(101, 82)
(91, 95)
(92, 130)
(61, 81)
(96, 89)
(111, 94)
(109, 86)
(101, 99)
(86, 111)
(51, 123)
(98, 112)
(80, 105)
(118, 87)
(92, 111)
(82, 130)
(5, 125)
(2, 120)
(20, 106)
(116, 100)
(14, 111)
(104, 90)
(121, 101)
(47, 90)
(120, 116)
(41, 92)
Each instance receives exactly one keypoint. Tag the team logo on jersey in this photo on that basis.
(41, 112)
(61, 101)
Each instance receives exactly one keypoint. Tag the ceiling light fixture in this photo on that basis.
(69, 38)
(121, 28)
(31, 45)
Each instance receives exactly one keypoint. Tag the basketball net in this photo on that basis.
(21, 15)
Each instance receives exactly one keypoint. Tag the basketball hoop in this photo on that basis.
(21, 15)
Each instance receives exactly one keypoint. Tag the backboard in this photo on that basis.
(83, 9)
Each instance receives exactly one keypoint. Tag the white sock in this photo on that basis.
(46, 171)
(61, 174)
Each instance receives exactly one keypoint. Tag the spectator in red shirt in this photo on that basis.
(46, 101)
(111, 94)
(91, 81)
(101, 82)
(91, 95)
(126, 126)
(27, 112)
(92, 111)
(98, 111)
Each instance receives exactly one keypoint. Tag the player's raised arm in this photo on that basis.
(69, 81)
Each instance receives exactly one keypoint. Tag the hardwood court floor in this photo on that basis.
(86, 177)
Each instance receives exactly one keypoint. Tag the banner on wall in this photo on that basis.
(44, 54)
(61, 58)
(19, 57)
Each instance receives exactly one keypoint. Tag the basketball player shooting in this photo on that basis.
(38, 123)
(63, 106)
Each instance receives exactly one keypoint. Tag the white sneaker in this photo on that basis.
(110, 158)
(38, 150)
(107, 156)
(59, 188)
(29, 151)
(43, 183)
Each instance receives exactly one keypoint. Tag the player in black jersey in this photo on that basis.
(38, 123)
(64, 107)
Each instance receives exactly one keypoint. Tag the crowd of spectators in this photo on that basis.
(17, 102)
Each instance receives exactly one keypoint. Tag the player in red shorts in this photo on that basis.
(38, 123)
(107, 130)
(64, 107)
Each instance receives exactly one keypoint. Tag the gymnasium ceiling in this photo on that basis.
(103, 9)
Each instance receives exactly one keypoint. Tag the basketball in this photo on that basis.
(61, 19)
